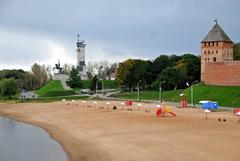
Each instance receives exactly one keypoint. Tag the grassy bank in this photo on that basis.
(225, 96)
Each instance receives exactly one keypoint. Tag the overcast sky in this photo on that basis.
(44, 31)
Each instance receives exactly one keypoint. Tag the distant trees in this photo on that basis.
(74, 80)
(236, 51)
(174, 70)
(8, 87)
(41, 75)
(102, 69)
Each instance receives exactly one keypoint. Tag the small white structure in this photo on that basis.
(28, 95)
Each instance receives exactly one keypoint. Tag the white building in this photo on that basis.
(81, 58)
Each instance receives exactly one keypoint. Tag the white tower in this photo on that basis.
(81, 58)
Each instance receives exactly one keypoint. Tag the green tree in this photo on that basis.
(190, 66)
(74, 80)
(131, 71)
(8, 87)
(162, 62)
(236, 51)
(172, 78)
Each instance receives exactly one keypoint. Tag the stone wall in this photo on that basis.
(63, 78)
(222, 73)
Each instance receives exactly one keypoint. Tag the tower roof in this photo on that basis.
(216, 34)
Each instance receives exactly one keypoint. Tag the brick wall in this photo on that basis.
(222, 73)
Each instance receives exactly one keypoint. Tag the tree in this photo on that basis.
(162, 62)
(131, 71)
(172, 78)
(74, 80)
(67, 68)
(8, 87)
(190, 65)
(236, 51)
(41, 75)
(125, 73)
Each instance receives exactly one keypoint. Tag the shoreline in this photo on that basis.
(89, 134)
(42, 126)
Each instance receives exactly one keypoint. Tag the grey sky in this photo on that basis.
(45, 30)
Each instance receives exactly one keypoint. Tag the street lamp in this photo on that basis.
(138, 90)
(160, 91)
(103, 86)
(192, 101)
(96, 87)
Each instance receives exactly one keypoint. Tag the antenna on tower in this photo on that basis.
(78, 36)
(216, 21)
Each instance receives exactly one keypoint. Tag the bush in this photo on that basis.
(8, 88)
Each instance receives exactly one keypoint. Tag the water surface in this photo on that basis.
(24, 142)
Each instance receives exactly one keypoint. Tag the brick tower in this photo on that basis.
(216, 48)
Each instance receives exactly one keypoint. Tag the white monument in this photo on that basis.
(81, 58)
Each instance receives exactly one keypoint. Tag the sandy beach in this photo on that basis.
(93, 134)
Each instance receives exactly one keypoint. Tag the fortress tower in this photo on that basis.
(217, 65)
(215, 47)
(81, 58)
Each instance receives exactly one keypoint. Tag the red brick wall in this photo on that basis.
(225, 73)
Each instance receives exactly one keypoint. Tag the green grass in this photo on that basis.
(53, 89)
(225, 96)
(56, 93)
(53, 85)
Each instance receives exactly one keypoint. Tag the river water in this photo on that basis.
(24, 142)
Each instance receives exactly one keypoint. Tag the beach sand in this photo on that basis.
(92, 134)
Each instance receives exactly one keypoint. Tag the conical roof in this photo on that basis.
(216, 34)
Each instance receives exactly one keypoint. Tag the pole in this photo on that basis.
(160, 94)
(191, 95)
(96, 88)
(192, 101)
(102, 86)
(138, 91)
(160, 91)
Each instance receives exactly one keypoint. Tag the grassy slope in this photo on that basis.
(53, 88)
(225, 96)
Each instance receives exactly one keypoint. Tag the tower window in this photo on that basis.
(217, 43)
(216, 51)
(205, 52)
(214, 59)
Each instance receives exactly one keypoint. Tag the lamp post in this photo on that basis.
(96, 87)
(192, 101)
(160, 91)
(103, 86)
(138, 90)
